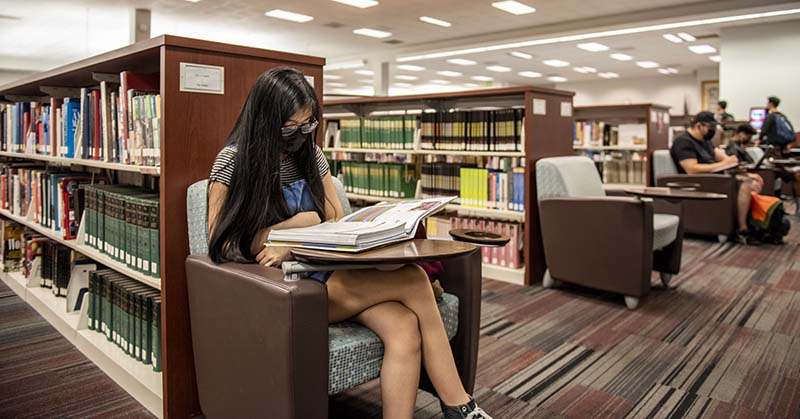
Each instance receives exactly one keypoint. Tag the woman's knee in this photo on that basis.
(404, 337)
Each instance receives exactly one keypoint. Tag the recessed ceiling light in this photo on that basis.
(193, 1)
(361, 4)
(345, 65)
(702, 49)
(686, 37)
(335, 84)
(647, 64)
(374, 33)
(593, 47)
(621, 57)
(437, 22)
(461, 61)
(523, 55)
(715, 58)
(482, 78)
(331, 77)
(403, 84)
(410, 67)
(557, 79)
(555, 63)
(585, 70)
(405, 77)
(663, 71)
(294, 17)
(609, 75)
(448, 73)
(365, 72)
(513, 7)
(530, 74)
(440, 81)
(498, 68)
(672, 70)
(672, 38)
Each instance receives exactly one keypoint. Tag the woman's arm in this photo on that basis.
(333, 208)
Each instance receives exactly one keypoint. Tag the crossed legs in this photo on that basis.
(400, 308)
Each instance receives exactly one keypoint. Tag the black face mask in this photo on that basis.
(294, 142)
(710, 134)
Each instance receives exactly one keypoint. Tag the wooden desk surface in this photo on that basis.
(673, 194)
(417, 250)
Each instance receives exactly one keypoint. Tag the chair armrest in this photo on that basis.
(605, 243)
(709, 182)
(258, 340)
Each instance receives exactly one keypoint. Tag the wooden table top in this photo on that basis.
(672, 193)
(417, 250)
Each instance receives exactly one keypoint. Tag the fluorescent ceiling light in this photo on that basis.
(621, 57)
(498, 68)
(345, 65)
(686, 37)
(437, 22)
(585, 70)
(331, 77)
(193, 1)
(470, 85)
(593, 47)
(647, 64)
(448, 73)
(663, 71)
(361, 4)
(365, 72)
(672, 38)
(365, 81)
(715, 58)
(294, 17)
(555, 63)
(335, 84)
(440, 82)
(609, 75)
(702, 49)
(482, 78)
(373, 33)
(513, 7)
(557, 79)
(672, 70)
(410, 67)
(403, 84)
(523, 55)
(461, 61)
(602, 34)
(530, 74)
(405, 77)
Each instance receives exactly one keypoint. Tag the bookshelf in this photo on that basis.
(145, 170)
(545, 133)
(189, 142)
(633, 132)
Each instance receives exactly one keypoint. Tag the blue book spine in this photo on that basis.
(72, 118)
(46, 128)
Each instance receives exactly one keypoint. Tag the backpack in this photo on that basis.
(767, 220)
(784, 132)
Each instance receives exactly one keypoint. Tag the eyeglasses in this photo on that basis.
(306, 128)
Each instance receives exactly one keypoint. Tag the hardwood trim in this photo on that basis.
(579, 109)
(178, 41)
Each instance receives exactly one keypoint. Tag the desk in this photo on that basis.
(417, 250)
(671, 194)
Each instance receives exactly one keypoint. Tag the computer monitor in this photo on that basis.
(757, 116)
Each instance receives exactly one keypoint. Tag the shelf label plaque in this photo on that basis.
(202, 78)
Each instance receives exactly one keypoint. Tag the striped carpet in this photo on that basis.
(723, 343)
(43, 376)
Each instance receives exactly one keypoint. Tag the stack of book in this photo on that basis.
(117, 121)
(128, 313)
(123, 222)
(619, 167)
(391, 132)
(509, 256)
(499, 130)
(595, 134)
(501, 186)
(388, 180)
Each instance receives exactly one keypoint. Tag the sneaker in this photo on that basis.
(744, 237)
(464, 411)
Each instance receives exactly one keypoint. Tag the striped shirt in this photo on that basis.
(222, 169)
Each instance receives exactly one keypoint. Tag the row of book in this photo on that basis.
(621, 167)
(599, 133)
(388, 180)
(508, 256)
(500, 184)
(117, 121)
(123, 222)
(127, 313)
(391, 132)
(499, 130)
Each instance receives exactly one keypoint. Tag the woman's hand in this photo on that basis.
(273, 255)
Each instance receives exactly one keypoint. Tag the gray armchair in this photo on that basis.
(770, 184)
(709, 218)
(262, 342)
(598, 241)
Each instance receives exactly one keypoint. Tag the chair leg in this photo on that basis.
(665, 278)
(722, 238)
(631, 302)
(548, 281)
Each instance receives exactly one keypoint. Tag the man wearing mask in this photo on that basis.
(736, 147)
(693, 153)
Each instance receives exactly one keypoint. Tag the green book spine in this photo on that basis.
(156, 334)
(147, 338)
(88, 191)
(90, 312)
(130, 232)
(153, 227)
(111, 223)
(143, 237)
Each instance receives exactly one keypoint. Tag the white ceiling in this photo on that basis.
(80, 28)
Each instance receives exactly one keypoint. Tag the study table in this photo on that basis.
(673, 194)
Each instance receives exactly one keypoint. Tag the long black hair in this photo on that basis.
(255, 198)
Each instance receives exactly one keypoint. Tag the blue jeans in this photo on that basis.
(299, 199)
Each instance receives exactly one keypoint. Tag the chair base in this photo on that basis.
(722, 238)
(548, 281)
(631, 302)
(665, 278)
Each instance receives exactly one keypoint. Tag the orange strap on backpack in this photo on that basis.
(760, 206)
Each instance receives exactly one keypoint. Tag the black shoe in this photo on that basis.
(744, 237)
(464, 411)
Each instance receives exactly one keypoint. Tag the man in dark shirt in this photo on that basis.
(769, 131)
(722, 113)
(693, 153)
(736, 147)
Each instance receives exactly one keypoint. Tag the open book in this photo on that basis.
(367, 228)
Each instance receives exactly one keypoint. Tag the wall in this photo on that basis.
(671, 91)
(759, 61)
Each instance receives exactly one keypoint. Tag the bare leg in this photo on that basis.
(351, 292)
(743, 203)
(398, 328)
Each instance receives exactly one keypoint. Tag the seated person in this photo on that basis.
(736, 147)
(693, 153)
(272, 175)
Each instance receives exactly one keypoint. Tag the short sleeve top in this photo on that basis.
(222, 169)
(685, 147)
